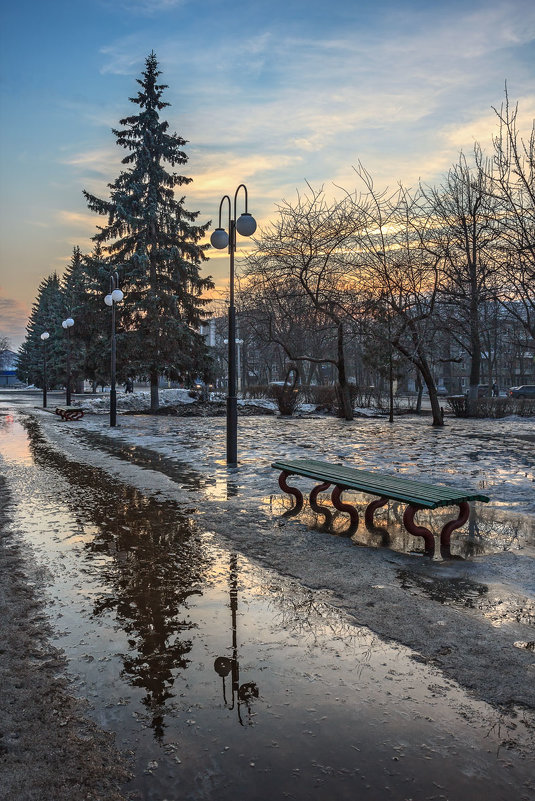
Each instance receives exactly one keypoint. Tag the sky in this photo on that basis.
(271, 94)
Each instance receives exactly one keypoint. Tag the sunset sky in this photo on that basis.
(272, 94)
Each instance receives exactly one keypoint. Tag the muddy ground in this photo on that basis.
(38, 712)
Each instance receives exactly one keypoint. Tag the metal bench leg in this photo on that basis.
(345, 507)
(418, 531)
(445, 534)
(322, 510)
(370, 511)
(291, 491)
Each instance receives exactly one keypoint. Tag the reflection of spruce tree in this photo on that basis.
(158, 564)
(158, 567)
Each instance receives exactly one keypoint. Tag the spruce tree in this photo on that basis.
(152, 241)
(46, 315)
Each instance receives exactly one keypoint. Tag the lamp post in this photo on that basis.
(115, 296)
(67, 325)
(246, 226)
(239, 342)
(44, 337)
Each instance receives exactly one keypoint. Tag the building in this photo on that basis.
(8, 369)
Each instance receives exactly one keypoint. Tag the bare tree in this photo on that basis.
(279, 313)
(5, 344)
(306, 248)
(400, 272)
(513, 185)
(464, 234)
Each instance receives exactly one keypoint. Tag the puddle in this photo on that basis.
(499, 605)
(487, 531)
(228, 682)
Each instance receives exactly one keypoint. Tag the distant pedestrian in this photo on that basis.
(495, 391)
(129, 385)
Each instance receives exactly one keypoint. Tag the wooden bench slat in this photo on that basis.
(396, 488)
(368, 478)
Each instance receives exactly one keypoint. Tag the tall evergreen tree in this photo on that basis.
(153, 242)
(46, 315)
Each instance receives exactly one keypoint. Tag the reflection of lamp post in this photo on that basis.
(67, 325)
(246, 226)
(115, 296)
(44, 337)
(243, 693)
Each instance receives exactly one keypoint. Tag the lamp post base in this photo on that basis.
(113, 407)
(232, 431)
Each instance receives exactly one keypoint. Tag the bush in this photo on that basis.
(322, 396)
(255, 391)
(493, 407)
(286, 397)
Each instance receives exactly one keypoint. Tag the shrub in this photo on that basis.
(493, 407)
(255, 391)
(286, 397)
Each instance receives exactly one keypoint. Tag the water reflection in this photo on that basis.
(150, 560)
(242, 694)
(217, 487)
(487, 530)
(344, 714)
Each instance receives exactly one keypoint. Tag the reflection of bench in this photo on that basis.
(415, 494)
(70, 412)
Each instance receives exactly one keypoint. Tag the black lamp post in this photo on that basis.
(115, 296)
(44, 337)
(67, 325)
(246, 226)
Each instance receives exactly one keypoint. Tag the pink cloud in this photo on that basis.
(13, 319)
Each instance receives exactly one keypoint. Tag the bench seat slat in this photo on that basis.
(396, 488)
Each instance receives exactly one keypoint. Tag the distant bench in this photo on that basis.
(416, 494)
(70, 412)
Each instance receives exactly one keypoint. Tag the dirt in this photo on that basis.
(38, 713)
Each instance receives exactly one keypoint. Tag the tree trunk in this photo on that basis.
(475, 362)
(436, 411)
(154, 399)
(343, 391)
(420, 389)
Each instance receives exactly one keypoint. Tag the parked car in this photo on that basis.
(525, 391)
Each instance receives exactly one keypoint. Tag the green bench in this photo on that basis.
(416, 494)
(70, 412)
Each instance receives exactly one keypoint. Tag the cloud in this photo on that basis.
(150, 7)
(99, 160)
(13, 318)
(78, 219)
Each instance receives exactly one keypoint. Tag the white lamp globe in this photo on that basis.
(246, 224)
(108, 300)
(219, 238)
(64, 324)
(117, 295)
(70, 322)
(45, 335)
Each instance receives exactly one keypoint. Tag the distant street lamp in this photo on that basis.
(44, 337)
(115, 296)
(246, 226)
(67, 325)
